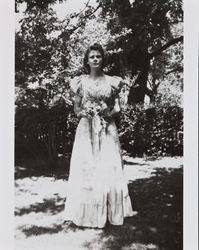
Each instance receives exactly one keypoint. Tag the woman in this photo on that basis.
(97, 191)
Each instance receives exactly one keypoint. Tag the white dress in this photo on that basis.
(97, 190)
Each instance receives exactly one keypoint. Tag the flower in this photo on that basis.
(96, 108)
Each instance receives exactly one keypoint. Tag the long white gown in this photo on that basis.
(97, 190)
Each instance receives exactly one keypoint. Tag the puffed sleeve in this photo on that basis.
(120, 90)
(76, 86)
(117, 84)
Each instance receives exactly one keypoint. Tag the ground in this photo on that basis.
(156, 191)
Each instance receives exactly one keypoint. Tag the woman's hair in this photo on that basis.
(97, 47)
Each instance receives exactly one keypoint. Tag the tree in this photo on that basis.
(140, 37)
(31, 4)
(142, 31)
(44, 49)
(41, 58)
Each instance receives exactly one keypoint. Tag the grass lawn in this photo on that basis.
(156, 191)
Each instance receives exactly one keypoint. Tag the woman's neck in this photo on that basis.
(96, 73)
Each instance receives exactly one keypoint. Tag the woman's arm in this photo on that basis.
(114, 111)
(77, 105)
(116, 107)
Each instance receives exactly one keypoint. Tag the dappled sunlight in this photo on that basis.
(139, 168)
(155, 188)
(158, 223)
(62, 240)
(35, 190)
(48, 206)
(34, 172)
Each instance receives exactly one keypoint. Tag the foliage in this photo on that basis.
(38, 57)
(54, 45)
(49, 52)
(43, 101)
(31, 4)
(169, 94)
(142, 32)
(133, 33)
(167, 67)
(44, 135)
(156, 131)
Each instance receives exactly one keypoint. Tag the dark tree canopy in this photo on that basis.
(143, 41)
(31, 4)
(142, 32)
(148, 34)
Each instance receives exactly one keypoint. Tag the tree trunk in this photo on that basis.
(137, 94)
(51, 147)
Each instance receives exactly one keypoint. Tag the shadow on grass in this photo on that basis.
(134, 163)
(57, 173)
(42, 171)
(52, 206)
(54, 229)
(42, 166)
(38, 230)
(158, 224)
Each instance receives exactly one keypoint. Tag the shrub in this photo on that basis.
(155, 131)
(44, 137)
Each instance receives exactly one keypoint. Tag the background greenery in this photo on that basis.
(143, 43)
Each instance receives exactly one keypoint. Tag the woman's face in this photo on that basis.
(95, 59)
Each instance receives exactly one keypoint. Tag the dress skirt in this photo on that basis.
(97, 190)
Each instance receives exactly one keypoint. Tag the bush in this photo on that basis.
(44, 137)
(156, 131)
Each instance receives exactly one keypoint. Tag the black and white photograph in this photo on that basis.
(99, 122)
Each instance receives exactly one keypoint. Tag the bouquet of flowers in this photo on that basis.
(97, 109)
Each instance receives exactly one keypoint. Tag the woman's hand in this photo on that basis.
(83, 113)
(55, 100)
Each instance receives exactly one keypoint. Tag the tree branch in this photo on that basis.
(176, 69)
(84, 18)
(67, 32)
(166, 46)
(86, 5)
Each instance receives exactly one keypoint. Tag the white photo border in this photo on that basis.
(191, 58)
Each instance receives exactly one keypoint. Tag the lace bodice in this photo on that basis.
(106, 90)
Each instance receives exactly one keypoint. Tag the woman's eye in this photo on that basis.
(99, 56)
